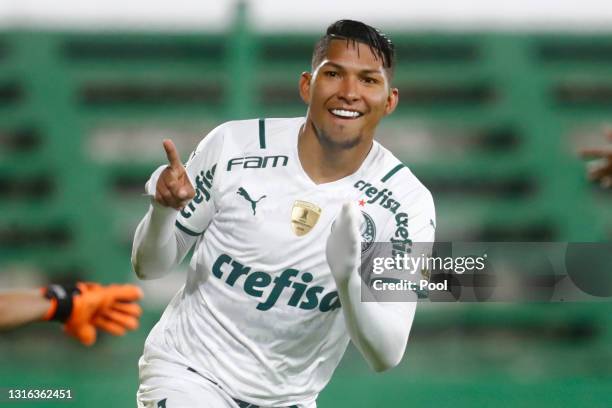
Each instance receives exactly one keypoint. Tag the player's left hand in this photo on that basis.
(343, 249)
(601, 172)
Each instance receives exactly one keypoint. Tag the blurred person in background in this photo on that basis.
(601, 171)
(82, 308)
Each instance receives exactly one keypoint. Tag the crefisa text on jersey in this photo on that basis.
(401, 242)
(303, 296)
(203, 183)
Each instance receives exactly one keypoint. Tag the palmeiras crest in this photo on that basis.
(367, 231)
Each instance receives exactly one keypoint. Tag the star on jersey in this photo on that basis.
(241, 191)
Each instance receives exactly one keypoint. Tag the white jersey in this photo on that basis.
(259, 313)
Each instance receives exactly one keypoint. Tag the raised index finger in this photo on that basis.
(172, 154)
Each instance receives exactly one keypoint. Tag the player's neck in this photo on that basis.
(325, 164)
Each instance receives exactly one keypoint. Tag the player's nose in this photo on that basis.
(349, 89)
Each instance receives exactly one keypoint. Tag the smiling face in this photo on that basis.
(348, 94)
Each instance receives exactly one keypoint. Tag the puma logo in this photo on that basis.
(241, 191)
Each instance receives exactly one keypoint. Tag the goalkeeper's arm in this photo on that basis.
(82, 308)
(22, 307)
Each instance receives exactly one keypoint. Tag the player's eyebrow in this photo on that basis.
(342, 68)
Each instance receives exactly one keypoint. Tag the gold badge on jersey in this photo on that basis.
(304, 217)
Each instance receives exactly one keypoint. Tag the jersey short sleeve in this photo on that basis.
(419, 225)
(408, 235)
(202, 171)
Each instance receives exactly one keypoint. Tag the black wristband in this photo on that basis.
(63, 295)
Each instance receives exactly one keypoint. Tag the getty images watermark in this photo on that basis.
(420, 266)
(487, 271)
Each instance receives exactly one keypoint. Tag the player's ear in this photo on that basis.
(305, 79)
(392, 101)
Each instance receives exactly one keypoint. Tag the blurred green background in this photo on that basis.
(490, 122)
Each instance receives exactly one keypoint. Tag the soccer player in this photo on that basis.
(83, 308)
(279, 211)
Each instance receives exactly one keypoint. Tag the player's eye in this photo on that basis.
(370, 80)
(331, 74)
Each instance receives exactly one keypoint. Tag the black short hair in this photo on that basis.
(356, 31)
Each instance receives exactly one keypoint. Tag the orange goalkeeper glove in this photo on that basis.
(88, 306)
(121, 314)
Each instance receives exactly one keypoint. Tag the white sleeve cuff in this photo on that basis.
(151, 184)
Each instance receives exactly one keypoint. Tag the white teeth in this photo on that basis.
(345, 113)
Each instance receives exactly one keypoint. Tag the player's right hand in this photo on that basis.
(173, 187)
